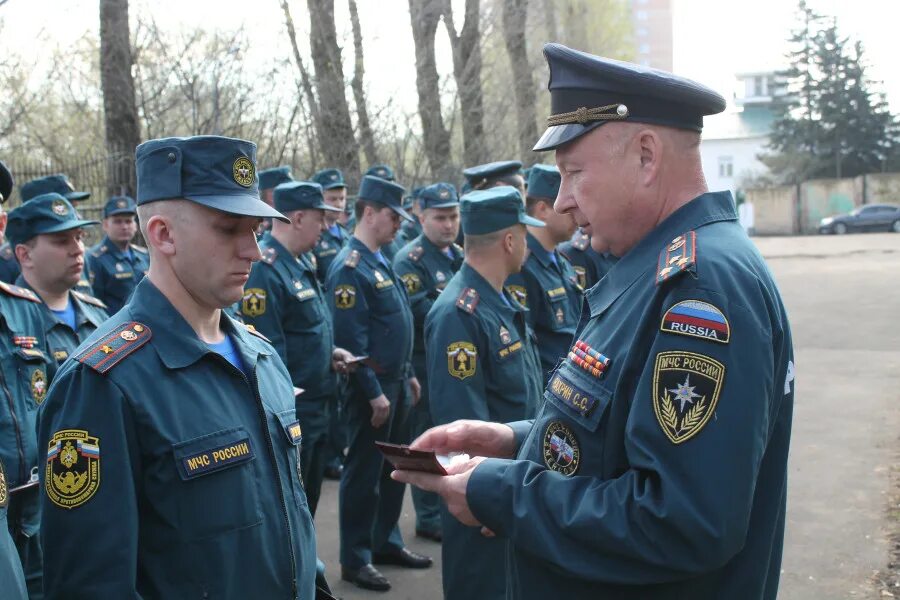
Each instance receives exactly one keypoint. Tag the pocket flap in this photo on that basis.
(291, 426)
(586, 403)
(213, 452)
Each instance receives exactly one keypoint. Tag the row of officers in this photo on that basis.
(356, 316)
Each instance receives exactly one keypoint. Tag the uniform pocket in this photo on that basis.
(581, 398)
(217, 489)
(32, 365)
(292, 442)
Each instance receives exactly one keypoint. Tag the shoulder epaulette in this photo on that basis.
(98, 251)
(581, 242)
(416, 253)
(458, 248)
(140, 249)
(352, 259)
(255, 332)
(6, 252)
(109, 350)
(269, 255)
(88, 298)
(468, 300)
(679, 256)
(19, 292)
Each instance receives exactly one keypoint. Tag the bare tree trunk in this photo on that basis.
(123, 132)
(304, 74)
(336, 133)
(515, 13)
(467, 70)
(424, 17)
(550, 20)
(359, 97)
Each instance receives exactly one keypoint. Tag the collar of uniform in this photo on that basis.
(430, 246)
(113, 249)
(486, 292)
(270, 241)
(366, 254)
(82, 315)
(341, 232)
(174, 339)
(539, 252)
(702, 210)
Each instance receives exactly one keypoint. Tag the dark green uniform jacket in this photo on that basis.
(9, 266)
(589, 265)
(552, 294)
(327, 249)
(114, 274)
(12, 580)
(657, 469)
(169, 472)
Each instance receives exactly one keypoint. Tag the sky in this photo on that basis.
(713, 39)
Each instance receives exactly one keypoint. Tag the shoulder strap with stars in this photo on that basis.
(352, 259)
(19, 292)
(254, 331)
(98, 251)
(416, 253)
(269, 255)
(88, 298)
(458, 248)
(679, 256)
(468, 300)
(140, 249)
(581, 242)
(112, 348)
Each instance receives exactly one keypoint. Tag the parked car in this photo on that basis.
(871, 217)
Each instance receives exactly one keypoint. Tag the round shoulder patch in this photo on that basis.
(243, 171)
(561, 451)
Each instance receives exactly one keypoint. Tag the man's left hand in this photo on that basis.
(452, 487)
(415, 388)
(340, 361)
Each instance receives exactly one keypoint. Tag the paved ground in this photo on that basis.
(843, 297)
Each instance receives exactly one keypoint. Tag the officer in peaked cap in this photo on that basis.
(372, 318)
(24, 376)
(547, 284)
(9, 268)
(657, 467)
(504, 172)
(482, 363)
(185, 415)
(46, 235)
(335, 235)
(116, 265)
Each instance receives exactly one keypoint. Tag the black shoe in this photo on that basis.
(435, 535)
(404, 558)
(366, 577)
(334, 471)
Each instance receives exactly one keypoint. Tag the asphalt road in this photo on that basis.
(843, 298)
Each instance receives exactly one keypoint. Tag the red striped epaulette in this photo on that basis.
(88, 298)
(468, 300)
(255, 332)
(679, 256)
(416, 253)
(109, 351)
(352, 259)
(19, 292)
(269, 255)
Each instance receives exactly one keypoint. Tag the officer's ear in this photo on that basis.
(23, 253)
(650, 146)
(160, 233)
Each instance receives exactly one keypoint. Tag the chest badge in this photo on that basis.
(560, 316)
(505, 338)
(588, 359)
(561, 450)
(38, 385)
(73, 468)
(441, 278)
(119, 267)
(298, 285)
(686, 388)
(462, 359)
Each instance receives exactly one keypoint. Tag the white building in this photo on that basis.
(733, 140)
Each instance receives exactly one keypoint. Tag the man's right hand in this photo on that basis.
(381, 410)
(476, 438)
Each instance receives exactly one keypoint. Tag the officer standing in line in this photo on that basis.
(372, 318)
(56, 184)
(482, 364)
(335, 235)
(175, 422)
(269, 179)
(115, 264)
(25, 371)
(425, 265)
(46, 234)
(547, 284)
(590, 266)
(284, 301)
(657, 467)
(504, 172)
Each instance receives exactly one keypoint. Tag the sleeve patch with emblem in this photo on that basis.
(253, 304)
(345, 296)
(462, 359)
(686, 389)
(72, 474)
(412, 282)
(696, 318)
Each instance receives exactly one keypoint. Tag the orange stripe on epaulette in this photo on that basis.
(255, 332)
(19, 292)
(468, 300)
(352, 259)
(679, 256)
(109, 351)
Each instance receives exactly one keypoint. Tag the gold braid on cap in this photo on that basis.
(583, 115)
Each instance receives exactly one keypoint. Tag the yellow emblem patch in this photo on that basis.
(72, 475)
(4, 488)
(412, 282)
(38, 385)
(243, 171)
(345, 296)
(253, 304)
(686, 388)
(462, 359)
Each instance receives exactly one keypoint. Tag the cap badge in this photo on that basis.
(444, 194)
(242, 170)
(59, 207)
(121, 203)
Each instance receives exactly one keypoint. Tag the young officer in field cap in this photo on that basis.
(482, 363)
(335, 235)
(269, 179)
(658, 465)
(174, 422)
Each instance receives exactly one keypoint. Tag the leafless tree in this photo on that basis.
(514, 16)
(359, 96)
